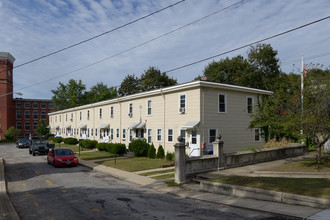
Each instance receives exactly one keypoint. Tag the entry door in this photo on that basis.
(194, 146)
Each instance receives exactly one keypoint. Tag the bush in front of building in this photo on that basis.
(57, 139)
(116, 148)
(70, 140)
(101, 146)
(169, 156)
(139, 147)
(90, 144)
(160, 152)
(152, 151)
(12, 134)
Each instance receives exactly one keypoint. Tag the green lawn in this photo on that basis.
(165, 176)
(136, 163)
(74, 148)
(315, 187)
(95, 155)
(304, 166)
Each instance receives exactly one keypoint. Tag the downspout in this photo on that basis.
(164, 118)
(119, 119)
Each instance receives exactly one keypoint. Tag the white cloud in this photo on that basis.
(31, 29)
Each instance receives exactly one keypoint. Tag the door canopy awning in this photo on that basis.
(67, 127)
(137, 125)
(83, 126)
(190, 125)
(103, 126)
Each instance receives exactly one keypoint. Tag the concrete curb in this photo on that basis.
(7, 210)
(265, 195)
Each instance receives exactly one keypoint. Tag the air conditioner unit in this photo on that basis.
(182, 110)
(130, 115)
(71, 119)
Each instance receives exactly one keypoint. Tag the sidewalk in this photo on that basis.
(193, 191)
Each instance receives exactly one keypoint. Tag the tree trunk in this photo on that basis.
(318, 154)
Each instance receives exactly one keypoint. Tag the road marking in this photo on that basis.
(24, 184)
(29, 195)
(37, 172)
(36, 204)
(64, 191)
(95, 209)
(49, 182)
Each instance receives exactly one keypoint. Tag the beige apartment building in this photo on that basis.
(198, 111)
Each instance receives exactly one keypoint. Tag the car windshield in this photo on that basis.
(23, 140)
(63, 152)
(38, 142)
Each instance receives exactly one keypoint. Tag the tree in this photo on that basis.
(69, 95)
(130, 85)
(152, 79)
(42, 129)
(100, 92)
(12, 133)
(281, 115)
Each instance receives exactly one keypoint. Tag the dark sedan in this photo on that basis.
(38, 147)
(23, 143)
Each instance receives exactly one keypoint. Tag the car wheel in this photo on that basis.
(54, 164)
(30, 152)
(33, 153)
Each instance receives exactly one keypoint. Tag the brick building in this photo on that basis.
(23, 114)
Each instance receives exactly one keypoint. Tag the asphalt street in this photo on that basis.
(40, 191)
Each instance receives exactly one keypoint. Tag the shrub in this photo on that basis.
(169, 156)
(152, 151)
(101, 146)
(116, 148)
(139, 147)
(12, 133)
(57, 139)
(90, 144)
(160, 152)
(71, 141)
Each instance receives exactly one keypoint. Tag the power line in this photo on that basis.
(306, 58)
(247, 45)
(99, 35)
(137, 46)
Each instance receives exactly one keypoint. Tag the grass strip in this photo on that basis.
(156, 172)
(315, 187)
(163, 177)
(136, 163)
(95, 155)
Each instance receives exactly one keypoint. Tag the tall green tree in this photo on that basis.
(42, 128)
(100, 92)
(69, 95)
(152, 79)
(130, 85)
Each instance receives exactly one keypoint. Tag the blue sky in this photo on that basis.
(33, 28)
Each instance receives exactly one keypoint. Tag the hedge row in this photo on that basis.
(71, 141)
(90, 144)
(112, 148)
(142, 149)
(57, 139)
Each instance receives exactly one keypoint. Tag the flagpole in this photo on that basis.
(302, 93)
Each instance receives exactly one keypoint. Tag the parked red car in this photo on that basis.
(62, 157)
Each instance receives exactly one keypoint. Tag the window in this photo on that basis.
(19, 125)
(88, 115)
(124, 133)
(18, 114)
(182, 105)
(35, 115)
(91, 131)
(43, 105)
(249, 104)
(96, 132)
(50, 105)
(111, 112)
(170, 135)
(100, 113)
(27, 115)
(27, 126)
(257, 135)
(117, 135)
(55, 118)
(60, 118)
(71, 117)
(111, 133)
(193, 137)
(212, 135)
(183, 135)
(149, 107)
(159, 134)
(149, 136)
(18, 104)
(35, 105)
(80, 115)
(26, 104)
(66, 117)
(130, 134)
(130, 110)
(35, 125)
(43, 115)
(222, 103)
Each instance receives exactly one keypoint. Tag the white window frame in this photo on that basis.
(130, 134)
(225, 102)
(247, 104)
(21, 113)
(168, 135)
(87, 114)
(259, 134)
(118, 133)
(100, 113)
(80, 115)
(27, 113)
(111, 133)
(159, 135)
(149, 107)
(111, 111)
(185, 103)
(209, 135)
(124, 134)
(185, 135)
(130, 109)
(149, 136)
